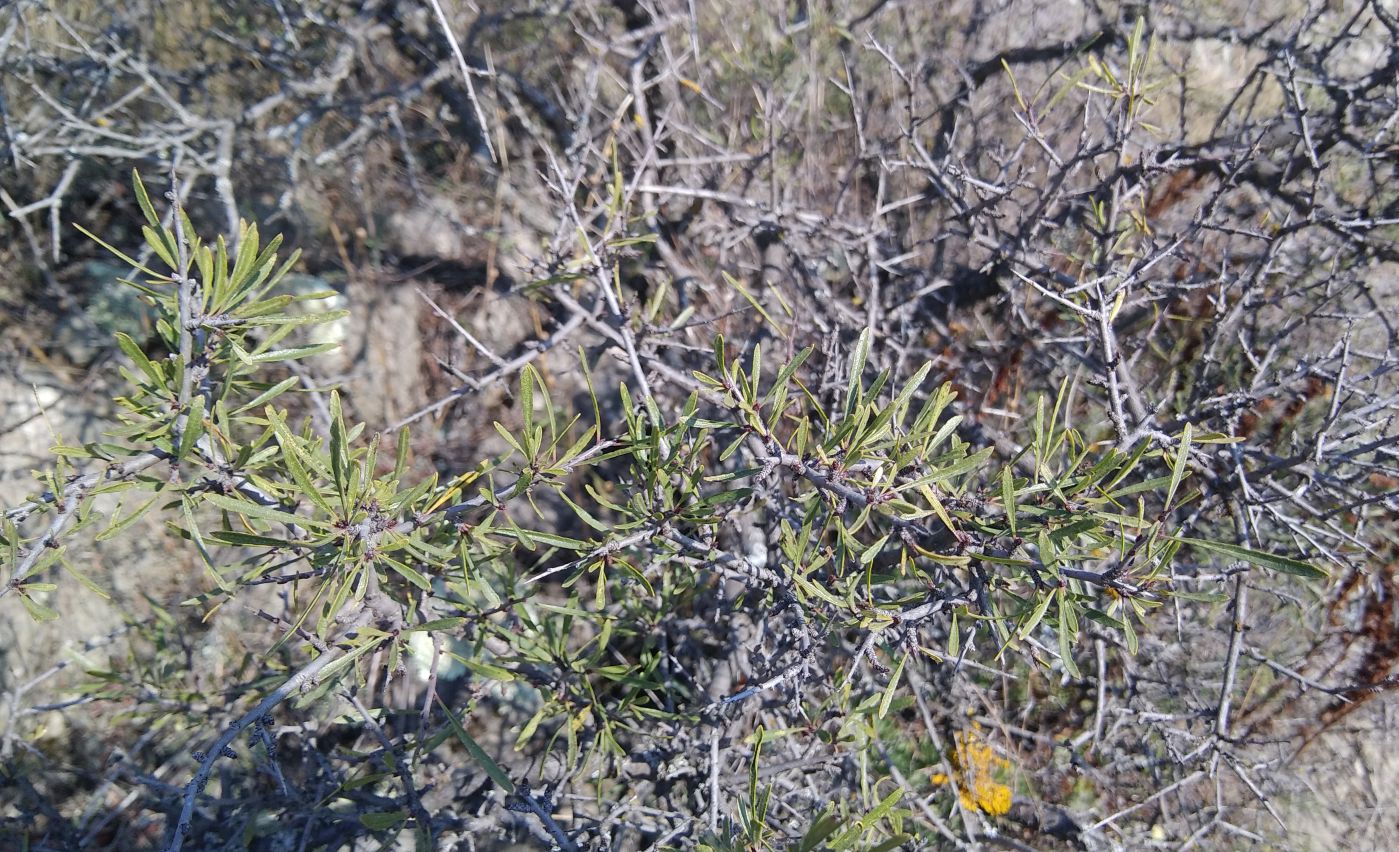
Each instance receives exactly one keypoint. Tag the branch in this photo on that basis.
(303, 678)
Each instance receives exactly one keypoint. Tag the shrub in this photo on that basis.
(565, 568)
(825, 427)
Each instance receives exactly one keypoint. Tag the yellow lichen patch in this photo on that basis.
(975, 766)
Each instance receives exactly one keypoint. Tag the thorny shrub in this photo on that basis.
(891, 530)
(738, 569)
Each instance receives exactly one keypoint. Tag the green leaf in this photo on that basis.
(292, 354)
(36, 610)
(247, 254)
(1178, 469)
(756, 305)
(1068, 630)
(1256, 557)
(1008, 498)
(824, 827)
(1070, 532)
(254, 510)
(263, 267)
(144, 200)
(477, 753)
(127, 345)
(510, 439)
(1033, 621)
(527, 397)
(869, 819)
(945, 430)
(297, 462)
(957, 468)
(119, 255)
(219, 284)
(869, 553)
(380, 820)
(552, 539)
(409, 574)
(117, 526)
(294, 320)
(785, 374)
(271, 393)
(892, 687)
(242, 539)
(1153, 484)
(83, 452)
(584, 515)
(400, 456)
(156, 240)
(194, 427)
(192, 529)
(857, 369)
(437, 624)
(339, 449)
(1200, 597)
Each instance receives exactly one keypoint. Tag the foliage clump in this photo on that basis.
(851, 429)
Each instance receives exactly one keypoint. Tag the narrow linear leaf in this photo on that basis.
(156, 240)
(127, 345)
(889, 690)
(957, 468)
(410, 574)
(295, 319)
(194, 427)
(824, 827)
(254, 510)
(382, 820)
(1068, 628)
(857, 369)
(36, 610)
(242, 539)
(1271, 561)
(477, 753)
(293, 354)
(1178, 469)
(1008, 498)
(1033, 621)
(117, 526)
(119, 255)
(144, 200)
(271, 393)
